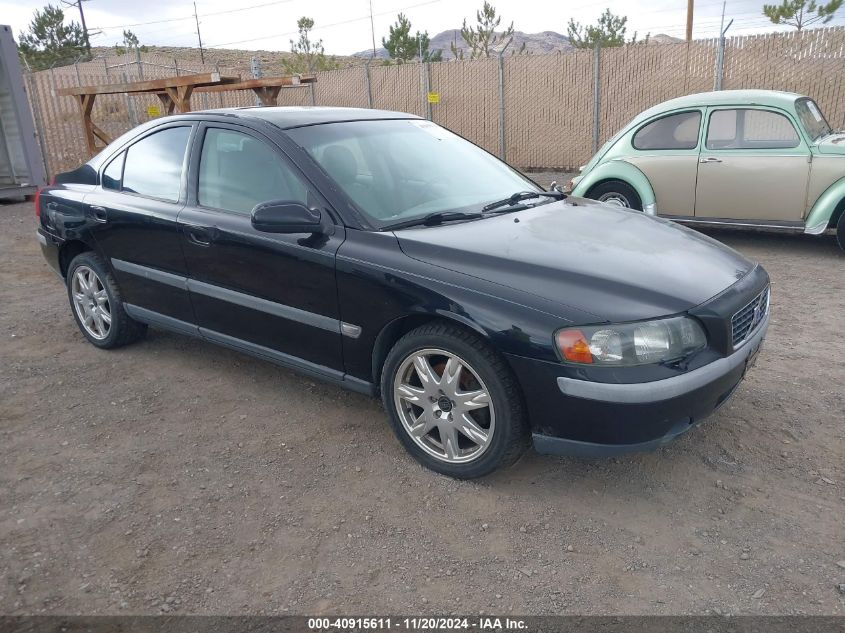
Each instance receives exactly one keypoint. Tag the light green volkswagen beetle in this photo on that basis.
(735, 157)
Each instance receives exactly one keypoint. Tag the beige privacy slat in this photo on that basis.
(548, 98)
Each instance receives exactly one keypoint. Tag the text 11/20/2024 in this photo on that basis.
(490, 623)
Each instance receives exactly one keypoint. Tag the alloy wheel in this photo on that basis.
(91, 302)
(444, 406)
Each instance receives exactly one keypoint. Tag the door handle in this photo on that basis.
(199, 235)
(710, 159)
(100, 213)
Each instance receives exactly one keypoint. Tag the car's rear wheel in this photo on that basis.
(617, 193)
(97, 305)
(840, 230)
(453, 402)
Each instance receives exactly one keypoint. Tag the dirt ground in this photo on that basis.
(174, 476)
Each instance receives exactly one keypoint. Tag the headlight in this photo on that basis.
(628, 344)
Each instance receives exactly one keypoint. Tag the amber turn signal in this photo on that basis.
(574, 347)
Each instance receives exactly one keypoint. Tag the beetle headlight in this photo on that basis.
(628, 344)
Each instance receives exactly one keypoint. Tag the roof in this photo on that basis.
(287, 117)
(772, 98)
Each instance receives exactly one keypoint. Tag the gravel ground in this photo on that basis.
(174, 476)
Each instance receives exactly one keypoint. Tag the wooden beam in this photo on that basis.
(268, 95)
(153, 85)
(167, 102)
(263, 82)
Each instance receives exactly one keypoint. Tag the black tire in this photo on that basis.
(840, 231)
(623, 194)
(123, 329)
(510, 435)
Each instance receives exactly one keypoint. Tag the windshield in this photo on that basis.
(812, 119)
(397, 170)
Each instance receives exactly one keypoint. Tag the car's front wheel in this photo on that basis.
(97, 305)
(617, 193)
(453, 402)
(840, 230)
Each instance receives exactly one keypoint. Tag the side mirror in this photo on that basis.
(286, 216)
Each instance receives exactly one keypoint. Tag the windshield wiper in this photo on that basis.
(432, 218)
(519, 196)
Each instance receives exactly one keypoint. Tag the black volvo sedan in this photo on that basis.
(383, 253)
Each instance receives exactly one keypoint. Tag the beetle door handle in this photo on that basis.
(100, 213)
(710, 159)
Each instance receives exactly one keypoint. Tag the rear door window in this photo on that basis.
(154, 164)
(746, 128)
(676, 131)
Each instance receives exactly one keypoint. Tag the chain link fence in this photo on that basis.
(536, 111)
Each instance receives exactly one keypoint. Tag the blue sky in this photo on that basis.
(344, 25)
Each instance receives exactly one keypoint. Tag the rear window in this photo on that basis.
(676, 131)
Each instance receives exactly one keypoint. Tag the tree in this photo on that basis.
(483, 39)
(308, 56)
(403, 47)
(130, 42)
(609, 31)
(50, 41)
(801, 13)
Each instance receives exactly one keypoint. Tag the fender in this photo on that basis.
(619, 169)
(818, 220)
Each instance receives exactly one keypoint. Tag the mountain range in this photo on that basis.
(535, 43)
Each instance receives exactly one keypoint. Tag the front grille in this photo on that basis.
(745, 321)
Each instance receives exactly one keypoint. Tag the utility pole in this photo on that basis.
(78, 3)
(199, 37)
(690, 4)
(372, 28)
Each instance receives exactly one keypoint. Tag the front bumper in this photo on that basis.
(592, 419)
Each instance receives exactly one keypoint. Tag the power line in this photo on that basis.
(192, 16)
(326, 26)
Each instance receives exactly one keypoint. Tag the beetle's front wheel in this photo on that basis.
(840, 230)
(616, 193)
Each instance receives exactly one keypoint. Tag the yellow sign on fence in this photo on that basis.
(153, 111)
(434, 97)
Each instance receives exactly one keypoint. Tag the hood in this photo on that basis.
(833, 144)
(618, 264)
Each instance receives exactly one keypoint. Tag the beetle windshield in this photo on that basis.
(397, 170)
(812, 119)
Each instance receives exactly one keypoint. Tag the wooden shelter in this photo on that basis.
(175, 94)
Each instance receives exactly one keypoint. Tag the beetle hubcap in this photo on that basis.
(616, 199)
(444, 406)
(91, 302)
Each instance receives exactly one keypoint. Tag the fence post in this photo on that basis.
(140, 64)
(720, 65)
(367, 81)
(596, 96)
(255, 69)
(502, 148)
(130, 104)
(313, 94)
(426, 87)
(176, 66)
(76, 68)
(219, 94)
